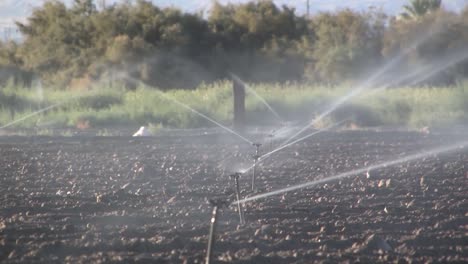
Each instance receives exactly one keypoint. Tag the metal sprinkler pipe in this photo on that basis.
(217, 204)
(257, 147)
(236, 176)
(254, 171)
(271, 136)
(256, 157)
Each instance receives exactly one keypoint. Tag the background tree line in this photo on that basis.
(259, 41)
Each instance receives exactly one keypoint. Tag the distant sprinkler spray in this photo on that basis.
(33, 114)
(432, 152)
(256, 157)
(217, 204)
(266, 155)
(190, 109)
(238, 80)
(236, 176)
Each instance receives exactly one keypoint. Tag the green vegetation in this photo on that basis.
(110, 107)
(73, 46)
(84, 56)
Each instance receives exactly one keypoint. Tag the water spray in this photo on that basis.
(42, 110)
(424, 72)
(217, 204)
(453, 60)
(365, 85)
(265, 156)
(206, 117)
(236, 176)
(431, 152)
(237, 79)
(192, 110)
(275, 134)
(33, 114)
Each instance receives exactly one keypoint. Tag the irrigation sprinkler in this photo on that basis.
(436, 151)
(257, 147)
(35, 113)
(254, 171)
(236, 176)
(271, 136)
(256, 157)
(266, 155)
(217, 204)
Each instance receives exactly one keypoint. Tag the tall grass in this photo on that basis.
(115, 106)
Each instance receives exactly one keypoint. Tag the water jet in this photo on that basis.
(33, 114)
(188, 108)
(365, 84)
(409, 158)
(236, 79)
(265, 156)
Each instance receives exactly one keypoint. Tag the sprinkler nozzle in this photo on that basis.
(257, 145)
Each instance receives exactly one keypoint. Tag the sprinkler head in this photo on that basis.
(235, 175)
(256, 156)
(257, 145)
(219, 202)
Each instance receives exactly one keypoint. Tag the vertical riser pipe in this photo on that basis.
(211, 239)
(239, 205)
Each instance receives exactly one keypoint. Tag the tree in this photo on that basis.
(84, 7)
(9, 54)
(256, 40)
(347, 44)
(11, 65)
(433, 40)
(50, 43)
(418, 8)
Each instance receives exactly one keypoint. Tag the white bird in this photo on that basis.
(142, 132)
(425, 130)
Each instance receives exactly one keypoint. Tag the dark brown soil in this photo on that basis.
(115, 199)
